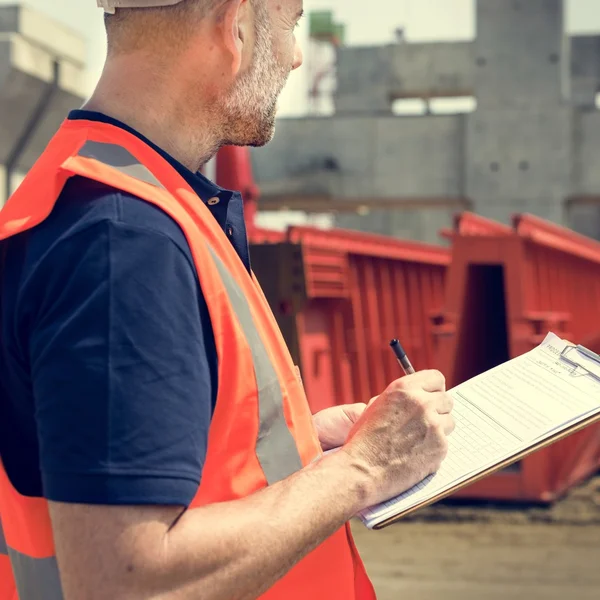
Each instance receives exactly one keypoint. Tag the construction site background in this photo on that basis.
(399, 138)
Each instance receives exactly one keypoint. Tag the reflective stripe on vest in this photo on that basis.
(120, 159)
(276, 449)
(36, 578)
(3, 549)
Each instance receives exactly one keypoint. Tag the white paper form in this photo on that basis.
(502, 412)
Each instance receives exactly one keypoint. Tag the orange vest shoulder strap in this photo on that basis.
(115, 166)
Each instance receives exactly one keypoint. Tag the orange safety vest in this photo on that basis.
(262, 429)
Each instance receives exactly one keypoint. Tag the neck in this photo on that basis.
(154, 104)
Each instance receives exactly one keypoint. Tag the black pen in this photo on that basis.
(402, 358)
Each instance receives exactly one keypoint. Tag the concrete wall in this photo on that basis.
(585, 218)
(519, 160)
(531, 144)
(409, 224)
(356, 157)
(586, 157)
(585, 70)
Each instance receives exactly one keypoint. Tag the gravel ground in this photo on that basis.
(487, 552)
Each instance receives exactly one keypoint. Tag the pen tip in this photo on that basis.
(394, 343)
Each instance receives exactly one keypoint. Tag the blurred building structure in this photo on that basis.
(529, 141)
(532, 144)
(41, 79)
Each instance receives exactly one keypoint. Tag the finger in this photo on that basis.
(372, 400)
(354, 411)
(430, 381)
(448, 423)
(442, 402)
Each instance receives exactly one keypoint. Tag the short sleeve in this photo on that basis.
(120, 368)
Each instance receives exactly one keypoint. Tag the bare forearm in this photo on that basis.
(235, 550)
(238, 550)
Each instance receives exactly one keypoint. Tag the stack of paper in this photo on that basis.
(505, 412)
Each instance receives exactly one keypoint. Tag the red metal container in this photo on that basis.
(505, 291)
(468, 223)
(592, 342)
(341, 296)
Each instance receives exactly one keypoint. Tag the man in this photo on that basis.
(155, 440)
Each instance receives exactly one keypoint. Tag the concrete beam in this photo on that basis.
(33, 51)
(403, 71)
(313, 203)
(26, 71)
(47, 34)
(369, 79)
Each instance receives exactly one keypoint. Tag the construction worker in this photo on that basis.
(155, 438)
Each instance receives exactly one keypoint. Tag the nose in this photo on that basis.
(298, 56)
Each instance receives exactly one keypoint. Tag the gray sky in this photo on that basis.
(369, 22)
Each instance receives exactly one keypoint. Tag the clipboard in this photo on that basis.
(571, 355)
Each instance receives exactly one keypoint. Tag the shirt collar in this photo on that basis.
(205, 188)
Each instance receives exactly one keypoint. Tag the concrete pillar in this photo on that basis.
(519, 141)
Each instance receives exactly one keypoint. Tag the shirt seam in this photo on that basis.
(104, 220)
(117, 223)
(124, 473)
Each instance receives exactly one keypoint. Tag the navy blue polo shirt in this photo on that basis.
(108, 365)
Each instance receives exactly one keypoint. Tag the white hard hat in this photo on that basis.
(109, 6)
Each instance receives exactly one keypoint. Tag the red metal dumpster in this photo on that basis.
(468, 223)
(505, 291)
(592, 342)
(339, 298)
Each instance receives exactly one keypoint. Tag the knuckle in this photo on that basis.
(440, 376)
(410, 398)
(400, 385)
(437, 377)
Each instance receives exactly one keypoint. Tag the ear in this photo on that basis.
(238, 31)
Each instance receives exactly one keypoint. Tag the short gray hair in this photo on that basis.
(127, 28)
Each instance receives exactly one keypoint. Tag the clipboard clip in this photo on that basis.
(584, 362)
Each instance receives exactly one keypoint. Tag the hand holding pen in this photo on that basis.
(402, 437)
